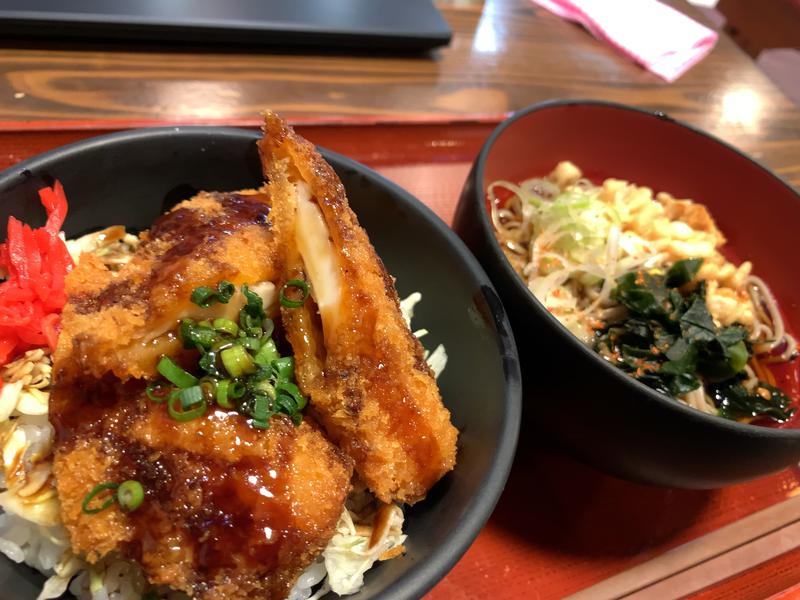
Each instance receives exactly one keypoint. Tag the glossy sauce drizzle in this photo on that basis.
(196, 233)
(192, 234)
(217, 493)
(234, 507)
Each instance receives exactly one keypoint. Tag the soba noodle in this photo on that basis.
(571, 240)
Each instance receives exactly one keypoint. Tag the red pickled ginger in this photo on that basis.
(32, 296)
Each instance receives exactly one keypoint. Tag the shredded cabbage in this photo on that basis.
(348, 555)
(437, 359)
(578, 242)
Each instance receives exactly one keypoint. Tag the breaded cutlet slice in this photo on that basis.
(121, 322)
(368, 382)
(230, 512)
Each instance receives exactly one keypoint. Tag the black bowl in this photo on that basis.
(603, 416)
(131, 177)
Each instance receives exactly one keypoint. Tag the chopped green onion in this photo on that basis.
(261, 407)
(263, 386)
(267, 353)
(226, 326)
(255, 305)
(174, 374)
(185, 333)
(130, 495)
(268, 327)
(298, 284)
(284, 403)
(237, 390)
(242, 368)
(250, 324)
(208, 362)
(209, 387)
(289, 389)
(261, 374)
(261, 412)
(191, 396)
(223, 391)
(205, 296)
(252, 315)
(237, 361)
(157, 392)
(222, 344)
(201, 336)
(98, 489)
(250, 343)
(185, 415)
(284, 368)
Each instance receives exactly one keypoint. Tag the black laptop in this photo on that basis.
(384, 24)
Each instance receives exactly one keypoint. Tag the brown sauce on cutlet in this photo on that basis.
(84, 407)
(227, 509)
(192, 235)
(121, 293)
(233, 513)
(407, 424)
(195, 233)
(243, 517)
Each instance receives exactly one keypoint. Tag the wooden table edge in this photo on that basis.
(303, 120)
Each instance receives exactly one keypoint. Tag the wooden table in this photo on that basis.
(505, 54)
(434, 110)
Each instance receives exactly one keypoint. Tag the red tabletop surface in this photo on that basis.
(560, 526)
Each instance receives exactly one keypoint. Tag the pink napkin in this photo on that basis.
(656, 36)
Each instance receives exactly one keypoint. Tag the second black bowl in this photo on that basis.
(602, 415)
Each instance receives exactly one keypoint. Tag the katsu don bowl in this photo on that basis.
(229, 389)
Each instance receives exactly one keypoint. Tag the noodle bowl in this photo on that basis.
(573, 243)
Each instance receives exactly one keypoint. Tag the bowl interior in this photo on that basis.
(131, 178)
(751, 207)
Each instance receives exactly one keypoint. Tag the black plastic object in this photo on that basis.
(602, 415)
(130, 177)
(389, 24)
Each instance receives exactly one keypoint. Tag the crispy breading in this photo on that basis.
(126, 319)
(229, 511)
(364, 371)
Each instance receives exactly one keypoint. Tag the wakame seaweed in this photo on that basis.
(669, 342)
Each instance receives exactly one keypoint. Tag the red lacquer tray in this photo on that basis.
(560, 526)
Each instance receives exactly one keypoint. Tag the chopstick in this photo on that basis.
(706, 560)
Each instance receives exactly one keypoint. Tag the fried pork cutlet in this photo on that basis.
(123, 321)
(229, 511)
(364, 371)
